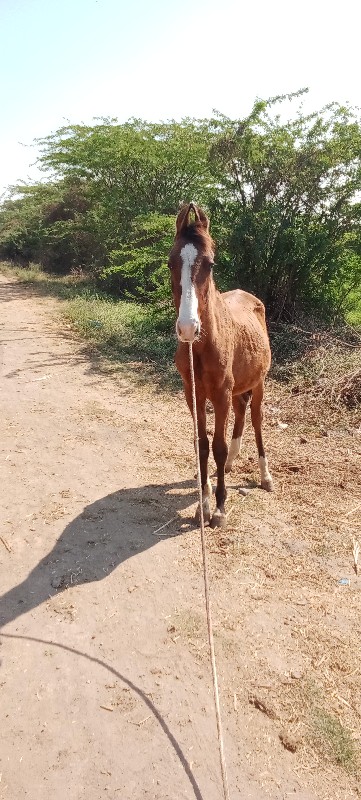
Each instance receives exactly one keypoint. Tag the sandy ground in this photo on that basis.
(105, 679)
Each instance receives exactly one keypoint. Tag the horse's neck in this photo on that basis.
(216, 318)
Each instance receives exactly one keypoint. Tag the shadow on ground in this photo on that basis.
(107, 533)
(134, 688)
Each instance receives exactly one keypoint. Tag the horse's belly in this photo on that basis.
(251, 360)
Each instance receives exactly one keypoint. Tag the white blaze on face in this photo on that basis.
(188, 320)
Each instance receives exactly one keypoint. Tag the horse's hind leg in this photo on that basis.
(239, 407)
(203, 448)
(257, 416)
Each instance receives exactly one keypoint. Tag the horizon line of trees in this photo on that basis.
(284, 199)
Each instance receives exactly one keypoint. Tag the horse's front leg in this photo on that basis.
(222, 407)
(203, 444)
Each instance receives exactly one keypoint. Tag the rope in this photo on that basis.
(206, 588)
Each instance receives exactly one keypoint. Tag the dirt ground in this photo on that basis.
(105, 679)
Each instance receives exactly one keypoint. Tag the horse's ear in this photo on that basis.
(203, 219)
(200, 216)
(183, 218)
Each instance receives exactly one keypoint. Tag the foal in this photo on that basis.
(231, 353)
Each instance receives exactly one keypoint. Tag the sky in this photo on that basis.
(74, 60)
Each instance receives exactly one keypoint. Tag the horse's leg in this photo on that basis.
(222, 407)
(239, 407)
(257, 416)
(203, 448)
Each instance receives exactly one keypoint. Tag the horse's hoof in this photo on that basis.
(267, 485)
(219, 520)
(206, 515)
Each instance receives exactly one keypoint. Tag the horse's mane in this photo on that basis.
(195, 233)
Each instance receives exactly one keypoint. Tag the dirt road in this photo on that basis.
(105, 680)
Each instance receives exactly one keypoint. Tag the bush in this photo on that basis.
(284, 200)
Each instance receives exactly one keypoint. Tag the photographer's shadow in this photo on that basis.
(106, 533)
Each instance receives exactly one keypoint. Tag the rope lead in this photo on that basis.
(206, 588)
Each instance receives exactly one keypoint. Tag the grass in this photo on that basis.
(124, 330)
(354, 315)
(321, 363)
(335, 740)
(138, 335)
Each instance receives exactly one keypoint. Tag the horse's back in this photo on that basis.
(241, 304)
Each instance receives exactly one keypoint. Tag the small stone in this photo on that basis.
(289, 742)
(58, 582)
(303, 440)
(243, 491)
(263, 704)
(297, 674)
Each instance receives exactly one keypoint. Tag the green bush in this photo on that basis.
(138, 270)
(284, 201)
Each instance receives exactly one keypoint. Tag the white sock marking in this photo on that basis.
(206, 496)
(233, 451)
(265, 474)
(207, 491)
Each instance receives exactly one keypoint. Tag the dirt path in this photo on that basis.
(105, 682)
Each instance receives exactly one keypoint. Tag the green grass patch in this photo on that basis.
(139, 336)
(354, 314)
(127, 331)
(334, 740)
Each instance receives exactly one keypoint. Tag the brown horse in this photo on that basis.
(231, 353)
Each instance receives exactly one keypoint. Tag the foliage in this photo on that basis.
(48, 223)
(290, 192)
(284, 199)
(138, 268)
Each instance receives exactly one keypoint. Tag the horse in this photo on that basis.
(231, 354)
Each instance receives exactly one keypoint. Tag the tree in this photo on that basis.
(48, 223)
(284, 200)
(287, 213)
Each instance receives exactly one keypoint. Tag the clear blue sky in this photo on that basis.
(160, 59)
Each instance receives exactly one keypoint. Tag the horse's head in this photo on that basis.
(190, 263)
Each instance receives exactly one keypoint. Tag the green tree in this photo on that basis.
(284, 199)
(287, 213)
(138, 270)
(48, 223)
(132, 169)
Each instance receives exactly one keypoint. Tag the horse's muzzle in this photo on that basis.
(187, 332)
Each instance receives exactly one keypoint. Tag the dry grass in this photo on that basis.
(322, 367)
(285, 591)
